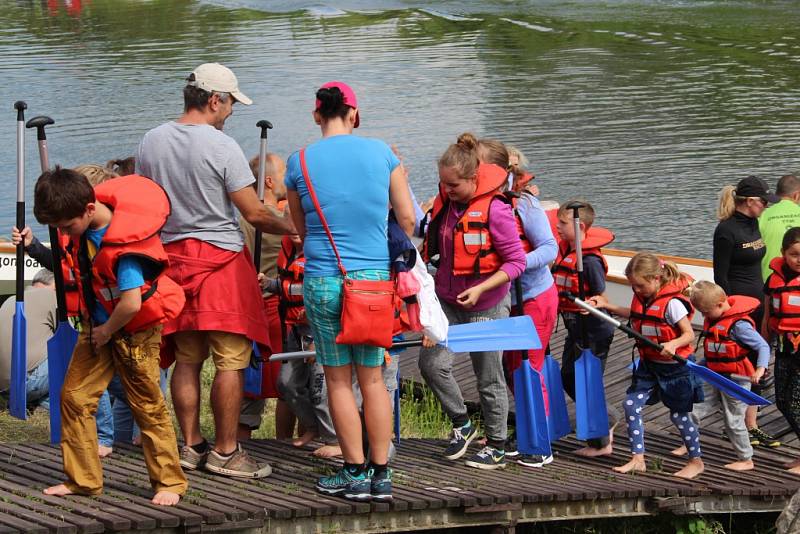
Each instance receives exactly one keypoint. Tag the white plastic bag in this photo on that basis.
(434, 321)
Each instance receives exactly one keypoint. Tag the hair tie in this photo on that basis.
(661, 263)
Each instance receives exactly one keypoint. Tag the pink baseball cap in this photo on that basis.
(349, 97)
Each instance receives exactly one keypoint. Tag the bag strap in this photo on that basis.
(313, 196)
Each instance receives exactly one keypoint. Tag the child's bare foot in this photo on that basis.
(591, 452)
(303, 440)
(741, 465)
(680, 451)
(58, 491)
(691, 469)
(328, 451)
(792, 464)
(794, 470)
(636, 465)
(166, 498)
(103, 451)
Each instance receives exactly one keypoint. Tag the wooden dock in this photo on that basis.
(430, 492)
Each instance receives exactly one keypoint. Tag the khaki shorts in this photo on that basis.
(231, 352)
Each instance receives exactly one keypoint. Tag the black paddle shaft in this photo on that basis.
(576, 215)
(630, 332)
(265, 126)
(20, 106)
(40, 123)
(520, 306)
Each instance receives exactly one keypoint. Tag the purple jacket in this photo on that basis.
(505, 239)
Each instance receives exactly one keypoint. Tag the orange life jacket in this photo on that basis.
(522, 181)
(473, 253)
(514, 197)
(649, 319)
(784, 309)
(291, 269)
(565, 269)
(141, 208)
(723, 353)
(69, 272)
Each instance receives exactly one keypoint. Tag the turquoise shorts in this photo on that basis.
(322, 296)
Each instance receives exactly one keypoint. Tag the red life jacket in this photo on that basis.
(69, 272)
(514, 198)
(522, 181)
(141, 208)
(291, 269)
(784, 308)
(473, 253)
(565, 271)
(723, 354)
(649, 319)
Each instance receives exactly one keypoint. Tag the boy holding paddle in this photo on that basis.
(125, 297)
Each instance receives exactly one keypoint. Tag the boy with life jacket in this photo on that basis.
(599, 333)
(124, 297)
(782, 317)
(661, 312)
(729, 338)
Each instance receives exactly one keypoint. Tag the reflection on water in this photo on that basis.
(645, 108)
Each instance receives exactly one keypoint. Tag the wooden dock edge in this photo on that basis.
(501, 518)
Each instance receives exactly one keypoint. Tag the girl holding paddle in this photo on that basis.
(472, 238)
(660, 311)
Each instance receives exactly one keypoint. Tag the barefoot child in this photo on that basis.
(598, 332)
(660, 312)
(124, 299)
(729, 337)
(783, 319)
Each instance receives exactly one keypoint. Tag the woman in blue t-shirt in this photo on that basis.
(355, 179)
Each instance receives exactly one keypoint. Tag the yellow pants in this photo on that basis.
(135, 358)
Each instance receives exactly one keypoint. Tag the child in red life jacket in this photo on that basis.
(729, 337)
(125, 297)
(598, 332)
(782, 315)
(661, 312)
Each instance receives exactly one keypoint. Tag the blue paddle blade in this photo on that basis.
(728, 386)
(252, 374)
(513, 333)
(19, 364)
(591, 414)
(533, 436)
(59, 353)
(558, 424)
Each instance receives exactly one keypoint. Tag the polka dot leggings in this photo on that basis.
(634, 403)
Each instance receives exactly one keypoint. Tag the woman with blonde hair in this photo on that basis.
(738, 251)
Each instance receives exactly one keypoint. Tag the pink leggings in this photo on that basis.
(543, 310)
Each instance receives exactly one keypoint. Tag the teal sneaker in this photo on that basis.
(381, 489)
(488, 458)
(461, 439)
(355, 488)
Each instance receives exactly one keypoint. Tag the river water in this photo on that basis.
(645, 108)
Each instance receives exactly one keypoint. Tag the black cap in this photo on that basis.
(753, 186)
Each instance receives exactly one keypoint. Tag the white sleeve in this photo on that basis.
(675, 312)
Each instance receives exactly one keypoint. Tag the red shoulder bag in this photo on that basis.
(367, 305)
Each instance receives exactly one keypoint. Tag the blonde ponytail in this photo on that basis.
(727, 203)
(648, 266)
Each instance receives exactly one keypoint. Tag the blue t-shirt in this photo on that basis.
(350, 175)
(130, 274)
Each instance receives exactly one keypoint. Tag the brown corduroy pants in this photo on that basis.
(135, 358)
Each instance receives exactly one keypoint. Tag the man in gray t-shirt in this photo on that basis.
(206, 175)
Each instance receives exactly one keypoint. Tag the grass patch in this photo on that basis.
(422, 416)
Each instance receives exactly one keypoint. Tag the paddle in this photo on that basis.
(19, 345)
(531, 415)
(715, 379)
(558, 423)
(62, 342)
(253, 374)
(591, 415)
(513, 333)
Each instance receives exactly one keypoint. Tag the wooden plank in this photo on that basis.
(23, 497)
(26, 514)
